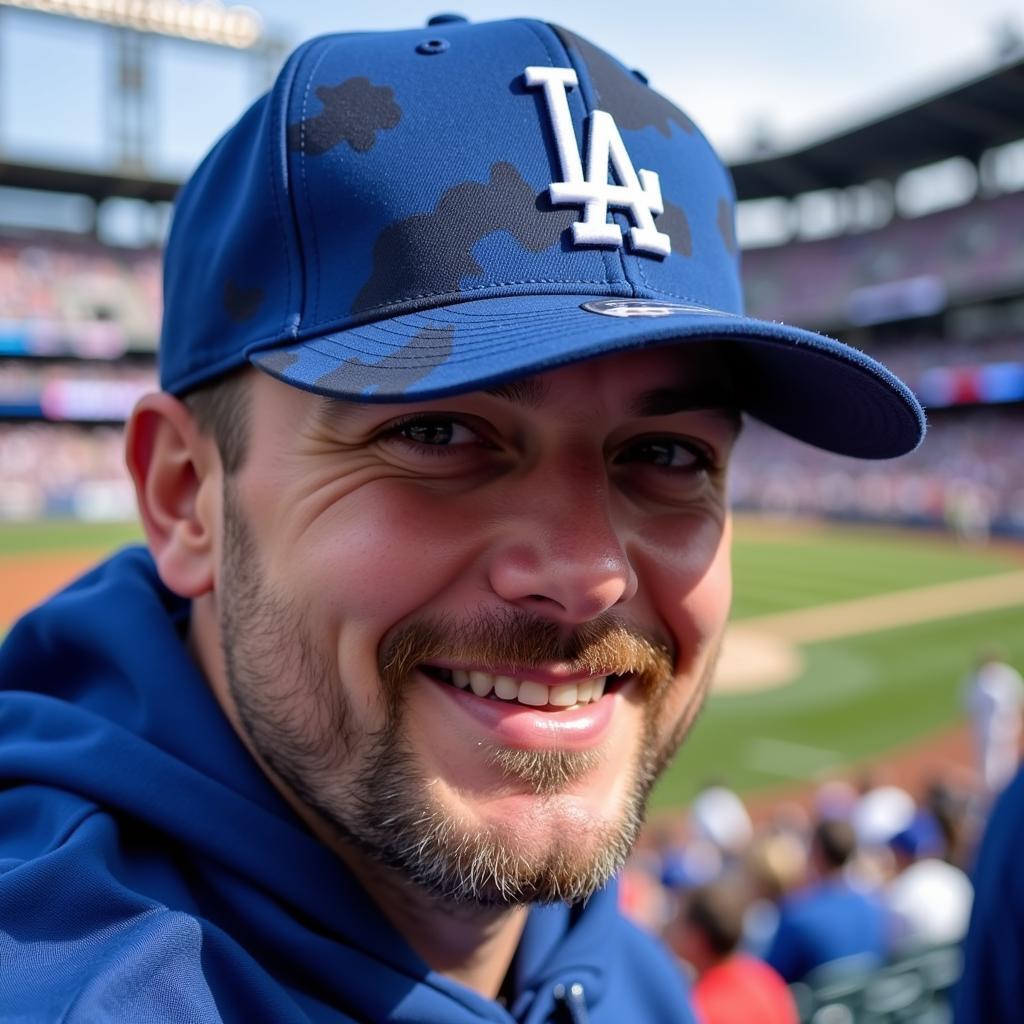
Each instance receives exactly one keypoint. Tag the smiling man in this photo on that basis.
(453, 361)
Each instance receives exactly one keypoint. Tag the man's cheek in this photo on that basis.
(386, 555)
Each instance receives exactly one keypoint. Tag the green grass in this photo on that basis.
(857, 697)
(789, 572)
(32, 538)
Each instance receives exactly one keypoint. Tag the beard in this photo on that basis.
(369, 790)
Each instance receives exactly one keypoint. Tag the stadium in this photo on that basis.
(863, 592)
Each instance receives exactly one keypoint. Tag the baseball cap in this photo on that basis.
(414, 214)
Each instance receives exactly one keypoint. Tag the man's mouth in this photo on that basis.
(528, 692)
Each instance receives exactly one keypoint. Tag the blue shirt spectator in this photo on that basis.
(829, 919)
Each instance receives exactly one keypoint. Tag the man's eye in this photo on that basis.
(437, 432)
(432, 433)
(666, 452)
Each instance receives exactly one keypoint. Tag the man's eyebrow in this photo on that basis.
(528, 391)
(666, 401)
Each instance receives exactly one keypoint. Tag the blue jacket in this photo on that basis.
(991, 990)
(149, 872)
(825, 922)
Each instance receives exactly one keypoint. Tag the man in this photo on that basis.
(731, 987)
(929, 899)
(829, 919)
(994, 695)
(437, 559)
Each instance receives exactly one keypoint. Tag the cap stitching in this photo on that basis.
(315, 276)
(485, 342)
(491, 284)
(274, 136)
(565, 314)
(454, 296)
(467, 331)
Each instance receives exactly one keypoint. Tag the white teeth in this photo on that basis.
(534, 694)
(563, 695)
(481, 683)
(527, 691)
(506, 687)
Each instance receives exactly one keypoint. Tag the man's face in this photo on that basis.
(420, 606)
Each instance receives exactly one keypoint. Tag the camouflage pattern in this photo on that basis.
(353, 112)
(433, 252)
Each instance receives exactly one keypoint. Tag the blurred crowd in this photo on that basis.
(74, 296)
(910, 358)
(844, 903)
(968, 477)
(909, 267)
(833, 900)
(63, 471)
(70, 299)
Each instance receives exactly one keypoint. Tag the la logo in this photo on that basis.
(640, 195)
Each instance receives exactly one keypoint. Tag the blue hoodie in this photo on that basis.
(150, 872)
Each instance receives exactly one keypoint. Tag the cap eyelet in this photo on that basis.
(430, 47)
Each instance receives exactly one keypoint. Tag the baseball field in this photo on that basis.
(849, 646)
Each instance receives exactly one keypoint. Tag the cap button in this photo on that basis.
(447, 19)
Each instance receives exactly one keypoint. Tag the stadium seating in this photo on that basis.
(912, 990)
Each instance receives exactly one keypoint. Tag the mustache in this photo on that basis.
(514, 638)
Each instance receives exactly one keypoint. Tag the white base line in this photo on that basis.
(893, 610)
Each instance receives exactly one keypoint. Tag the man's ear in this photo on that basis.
(177, 475)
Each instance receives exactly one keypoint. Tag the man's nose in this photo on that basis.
(564, 556)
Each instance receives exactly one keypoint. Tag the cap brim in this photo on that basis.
(806, 385)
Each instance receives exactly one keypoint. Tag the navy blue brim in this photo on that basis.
(807, 385)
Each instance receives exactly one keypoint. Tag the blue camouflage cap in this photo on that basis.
(409, 215)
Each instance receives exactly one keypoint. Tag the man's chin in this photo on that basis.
(561, 854)
(526, 845)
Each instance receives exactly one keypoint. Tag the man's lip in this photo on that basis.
(549, 675)
(512, 724)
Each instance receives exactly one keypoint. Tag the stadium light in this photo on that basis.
(206, 21)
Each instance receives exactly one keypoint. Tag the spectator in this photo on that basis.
(955, 809)
(929, 899)
(719, 816)
(731, 987)
(829, 919)
(994, 695)
(774, 865)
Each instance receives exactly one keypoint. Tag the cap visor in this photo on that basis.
(806, 385)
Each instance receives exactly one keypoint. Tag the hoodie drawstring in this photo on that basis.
(573, 998)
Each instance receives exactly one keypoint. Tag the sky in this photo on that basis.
(794, 70)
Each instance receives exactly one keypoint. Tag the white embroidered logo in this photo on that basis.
(639, 194)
